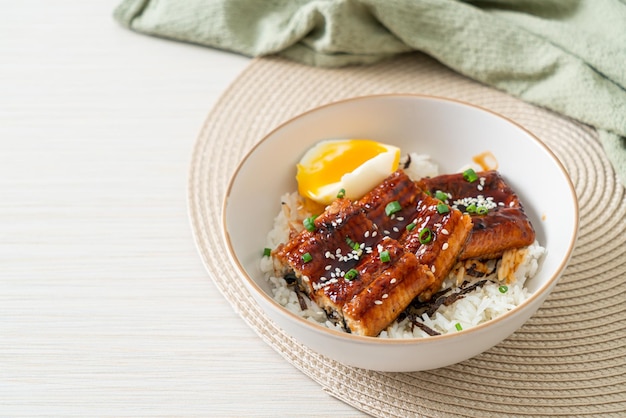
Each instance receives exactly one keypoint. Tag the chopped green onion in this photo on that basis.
(342, 193)
(384, 256)
(503, 289)
(309, 223)
(441, 195)
(482, 210)
(470, 175)
(458, 327)
(306, 257)
(392, 207)
(352, 244)
(425, 236)
(428, 193)
(351, 274)
(411, 226)
(471, 208)
(267, 252)
(442, 208)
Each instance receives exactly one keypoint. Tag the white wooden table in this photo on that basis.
(105, 307)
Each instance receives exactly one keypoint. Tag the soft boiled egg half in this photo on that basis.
(353, 165)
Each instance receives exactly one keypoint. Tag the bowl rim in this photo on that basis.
(537, 294)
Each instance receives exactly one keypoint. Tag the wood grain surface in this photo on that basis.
(105, 307)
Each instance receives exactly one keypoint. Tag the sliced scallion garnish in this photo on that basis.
(411, 226)
(392, 207)
(384, 256)
(470, 175)
(309, 223)
(267, 252)
(503, 289)
(442, 208)
(342, 193)
(306, 257)
(354, 245)
(482, 210)
(441, 195)
(351, 274)
(425, 236)
(471, 208)
(458, 327)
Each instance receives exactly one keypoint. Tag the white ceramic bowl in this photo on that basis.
(450, 132)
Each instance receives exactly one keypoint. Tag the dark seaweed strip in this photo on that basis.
(442, 299)
(449, 300)
(301, 299)
(428, 330)
(408, 162)
(290, 277)
(472, 271)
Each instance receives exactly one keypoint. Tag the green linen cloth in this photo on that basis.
(566, 55)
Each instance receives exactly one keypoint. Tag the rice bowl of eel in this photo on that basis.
(392, 313)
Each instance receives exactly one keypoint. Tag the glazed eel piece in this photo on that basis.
(435, 233)
(364, 263)
(345, 274)
(322, 256)
(503, 226)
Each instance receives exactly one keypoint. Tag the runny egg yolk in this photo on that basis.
(354, 165)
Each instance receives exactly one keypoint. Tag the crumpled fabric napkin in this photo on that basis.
(565, 55)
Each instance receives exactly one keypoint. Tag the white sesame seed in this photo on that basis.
(479, 187)
(328, 267)
(386, 232)
(392, 281)
(432, 268)
(378, 302)
(400, 218)
(444, 246)
(385, 296)
(395, 229)
(374, 234)
(444, 231)
(367, 234)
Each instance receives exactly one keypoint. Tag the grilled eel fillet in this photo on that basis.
(443, 235)
(352, 236)
(345, 239)
(331, 246)
(505, 226)
(395, 284)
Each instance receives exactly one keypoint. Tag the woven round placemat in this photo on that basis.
(569, 359)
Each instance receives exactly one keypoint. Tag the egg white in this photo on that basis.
(357, 182)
